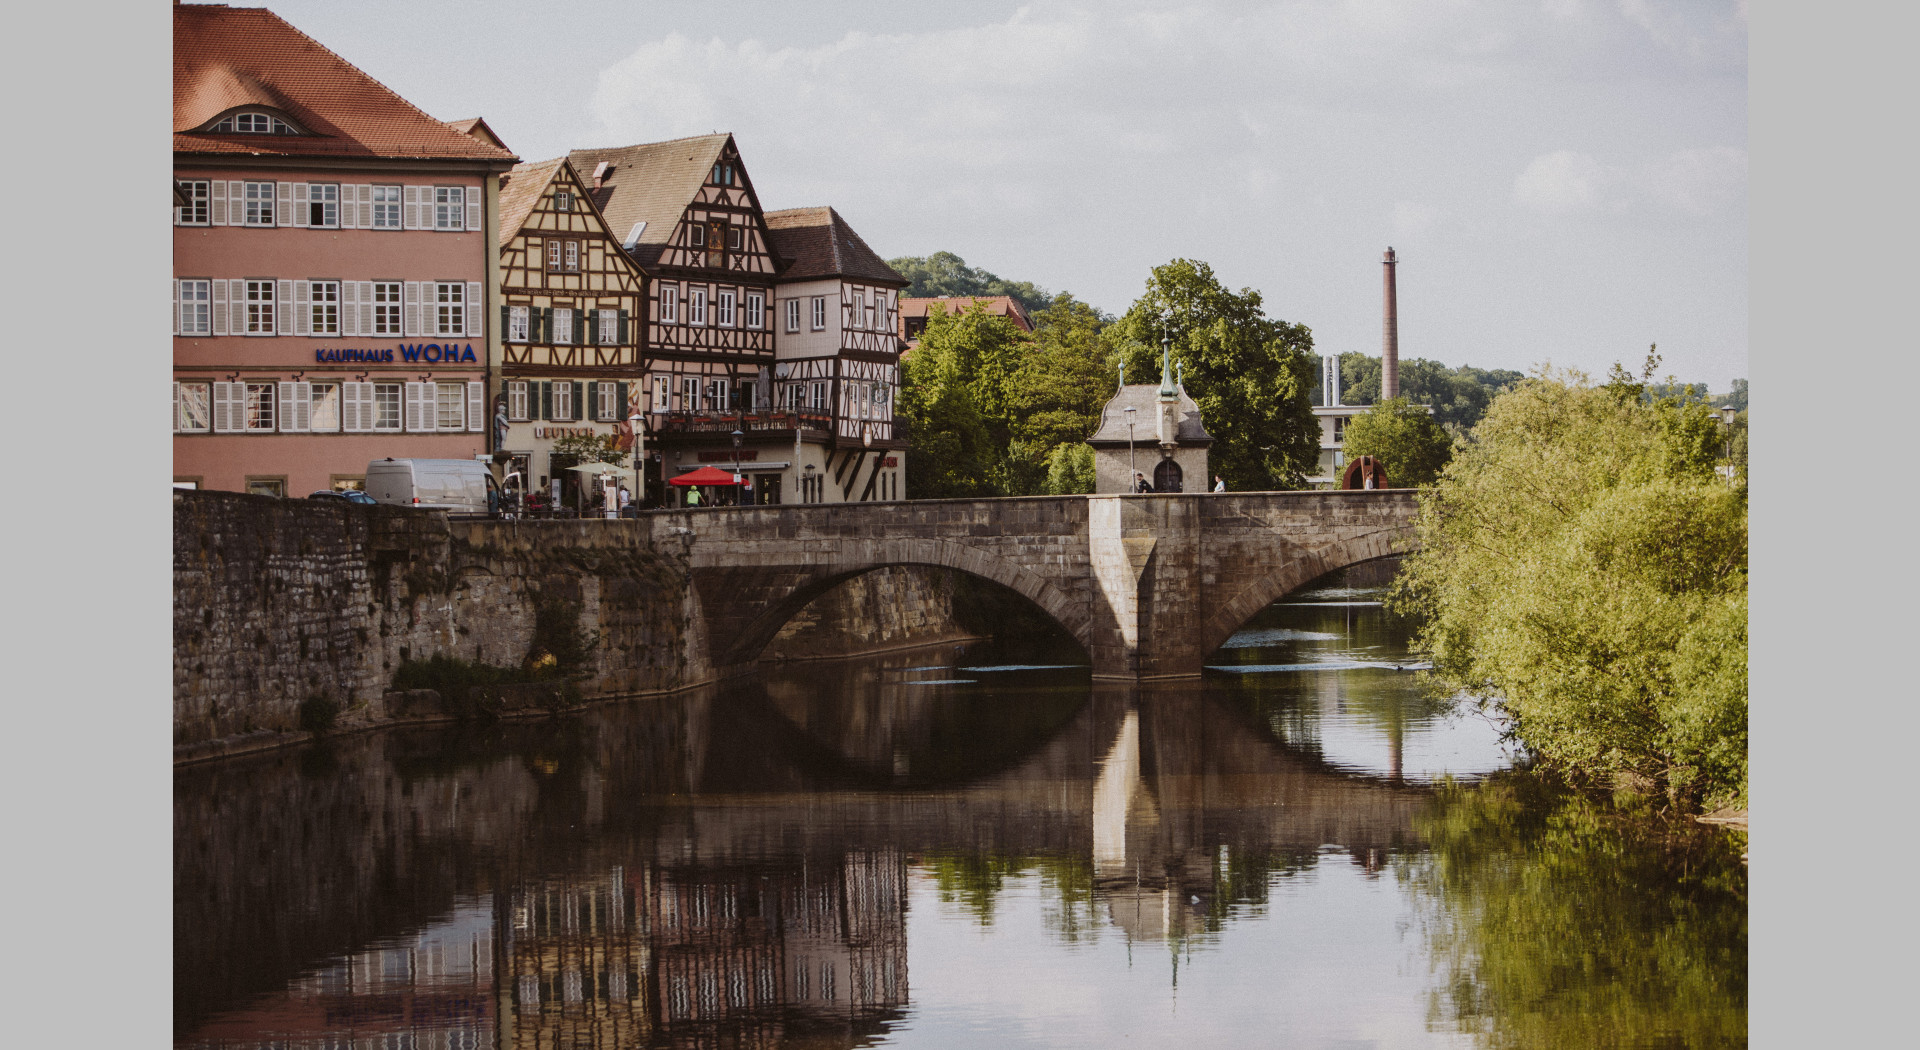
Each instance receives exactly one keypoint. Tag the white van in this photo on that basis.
(457, 486)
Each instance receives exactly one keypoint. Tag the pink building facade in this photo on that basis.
(334, 285)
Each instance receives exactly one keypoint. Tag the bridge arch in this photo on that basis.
(782, 599)
(1260, 592)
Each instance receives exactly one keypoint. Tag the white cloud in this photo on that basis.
(1697, 181)
(1560, 182)
(1412, 218)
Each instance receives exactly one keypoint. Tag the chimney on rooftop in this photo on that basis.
(1390, 334)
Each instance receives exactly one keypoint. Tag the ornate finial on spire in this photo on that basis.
(1122, 366)
(1167, 389)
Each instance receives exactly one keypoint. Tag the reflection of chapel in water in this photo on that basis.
(698, 956)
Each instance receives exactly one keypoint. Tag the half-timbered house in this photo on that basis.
(572, 357)
(686, 212)
(837, 364)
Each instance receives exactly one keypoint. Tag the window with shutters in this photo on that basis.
(451, 406)
(516, 324)
(563, 401)
(196, 307)
(563, 200)
(260, 406)
(386, 406)
(325, 416)
(725, 309)
(609, 328)
(386, 207)
(517, 399)
(386, 308)
(196, 211)
(192, 407)
(259, 307)
(323, 205)
(819, 312)
(562, 327)
(449, 308)
(605, 404)
(257, 204)
(793, 315)
(756, 311)
(697, 307)
(449, 208)
(670, 303)
(573, 256)
(324, 307)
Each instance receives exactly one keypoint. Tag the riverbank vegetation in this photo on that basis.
(1584, 566)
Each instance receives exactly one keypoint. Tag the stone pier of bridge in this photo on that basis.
(1148, 584)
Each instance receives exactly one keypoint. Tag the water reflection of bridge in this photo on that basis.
(727, 870)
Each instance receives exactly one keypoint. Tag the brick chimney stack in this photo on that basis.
(1390, 334)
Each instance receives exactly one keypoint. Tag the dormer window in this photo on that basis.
(723, 174)
(255, 124)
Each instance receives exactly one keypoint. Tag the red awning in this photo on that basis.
(705, 476)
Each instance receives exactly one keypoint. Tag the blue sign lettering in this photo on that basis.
(431, 353)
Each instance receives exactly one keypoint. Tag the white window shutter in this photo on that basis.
(220, 408)
(300, 213)
(411, 323)
(366, 307)
(218, 212)
(237, 305)
(176, 407)
(236, 203)
(350, 407)
(349, 307)
(302, 307)
(473, 208)
(349, 207)
(413, 405)
(301, 405)
(410, 211)
(476, 405)
(176, 312)
(283, 306)
(283, 201)
(475, 316)
(288, 422)
(219, 310)
(366, 206)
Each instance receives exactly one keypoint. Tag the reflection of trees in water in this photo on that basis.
(1558, 922)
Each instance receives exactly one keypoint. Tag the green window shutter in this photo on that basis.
(579, 406)
(546, 400)
(542, 324)
(506, 321)
(620, 327)
(593, 330)
(620, 400)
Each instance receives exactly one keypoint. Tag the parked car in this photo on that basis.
(457, 486)
(349, 495)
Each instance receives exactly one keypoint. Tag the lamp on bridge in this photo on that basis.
(639, 457)
(737, 435)
(806, 484)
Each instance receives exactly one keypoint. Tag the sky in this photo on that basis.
(1563, 182)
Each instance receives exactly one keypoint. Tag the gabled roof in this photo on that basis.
(477, 128)
(821, 244)
(520, 189)
(229, 57)
(1004, 305)
(653, 182)
(1145, 398)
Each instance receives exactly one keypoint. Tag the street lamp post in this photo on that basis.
(1727, 412)
(1131, 472)
(639, 459)
(737, 435)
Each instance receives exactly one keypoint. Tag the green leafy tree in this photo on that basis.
(590, 449)
(954, 399)
(1070, 469)
(1583, 565)
(944, 274)
(1406, 441)
(1249, 374)
(1458, 396)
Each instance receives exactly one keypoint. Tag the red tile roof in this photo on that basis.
(653, 182)
(227, 57)
(821, 244)
(1004, 305)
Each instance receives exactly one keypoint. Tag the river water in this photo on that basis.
(965, 846)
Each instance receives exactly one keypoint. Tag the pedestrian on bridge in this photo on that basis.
(1140, 483)
(1219, 483)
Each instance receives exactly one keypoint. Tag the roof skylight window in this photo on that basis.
(255, 124)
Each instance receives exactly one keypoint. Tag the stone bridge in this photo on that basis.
(1148, 584)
